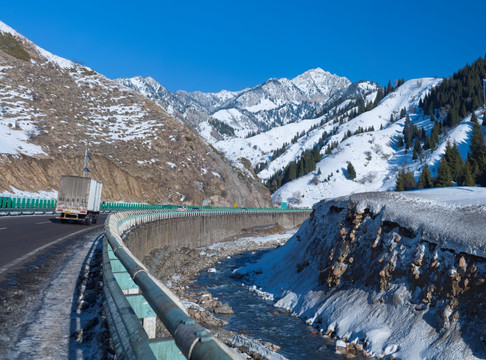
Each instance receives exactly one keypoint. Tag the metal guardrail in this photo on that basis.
(192, 340)
(10, 204)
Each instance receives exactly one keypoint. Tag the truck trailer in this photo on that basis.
(78, 199)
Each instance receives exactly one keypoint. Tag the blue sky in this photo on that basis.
(214, 45)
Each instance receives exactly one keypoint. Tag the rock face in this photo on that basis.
(51, 108)
(387, 271)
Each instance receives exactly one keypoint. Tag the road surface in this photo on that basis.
(22, 237)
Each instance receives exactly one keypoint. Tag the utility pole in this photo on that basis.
(85, 156)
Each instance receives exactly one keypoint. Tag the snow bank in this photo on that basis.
(403, 274)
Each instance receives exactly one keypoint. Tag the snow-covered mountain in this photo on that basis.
(274, 103)
(374, 154)
(277, 111)
(347, 122)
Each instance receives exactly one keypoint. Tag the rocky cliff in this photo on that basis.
(400, 275)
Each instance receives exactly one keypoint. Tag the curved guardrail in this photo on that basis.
(192, 340)
(11, 204)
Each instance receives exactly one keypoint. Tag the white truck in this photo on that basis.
(78, 199)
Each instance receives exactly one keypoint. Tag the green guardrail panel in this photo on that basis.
(116, 265)
(140, 306)
(125, 281)
(166, 349)
(111, 254)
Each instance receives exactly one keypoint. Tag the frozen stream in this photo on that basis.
(258, 318)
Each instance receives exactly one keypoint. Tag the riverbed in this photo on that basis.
(257, 318)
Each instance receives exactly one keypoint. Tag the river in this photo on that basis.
(258, 318)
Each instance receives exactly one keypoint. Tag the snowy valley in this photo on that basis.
(399, 275)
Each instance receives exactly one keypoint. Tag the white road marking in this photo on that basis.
(44, 222)
(20, 259)
(3, 228)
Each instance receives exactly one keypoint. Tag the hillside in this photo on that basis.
(375, 155)
(398, 274)
(52, 108)
(303, 156)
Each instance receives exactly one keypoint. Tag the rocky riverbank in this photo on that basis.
(178, 267)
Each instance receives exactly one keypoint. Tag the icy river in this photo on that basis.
(258, 318)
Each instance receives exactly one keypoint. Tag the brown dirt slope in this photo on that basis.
(139, 152)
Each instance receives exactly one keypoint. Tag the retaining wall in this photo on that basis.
(204, 230)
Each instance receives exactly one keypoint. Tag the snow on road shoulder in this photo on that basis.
(66, 320)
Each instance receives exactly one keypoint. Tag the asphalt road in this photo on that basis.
(22, 237)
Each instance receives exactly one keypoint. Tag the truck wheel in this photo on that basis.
(87, 220)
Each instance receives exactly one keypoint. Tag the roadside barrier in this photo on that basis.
(15, 205)
(132, 293)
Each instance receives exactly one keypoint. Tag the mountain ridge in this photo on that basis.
(274, 102)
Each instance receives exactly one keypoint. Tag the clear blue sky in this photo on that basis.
(214, 45)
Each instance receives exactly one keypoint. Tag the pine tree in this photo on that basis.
(477, 155)
(351, 171)
(474, 118)
(379, 96)
(403, 113)
(400, 141)
(427, 143)
(292, 173)
(316, 154)
(444, 177)
(405, 181)
(425, 180)
(416, 148)
(389, 88)
(468, 177)
(300, 168)
(454, 160)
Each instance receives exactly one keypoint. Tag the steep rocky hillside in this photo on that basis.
(400, 275)
(51, 108)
